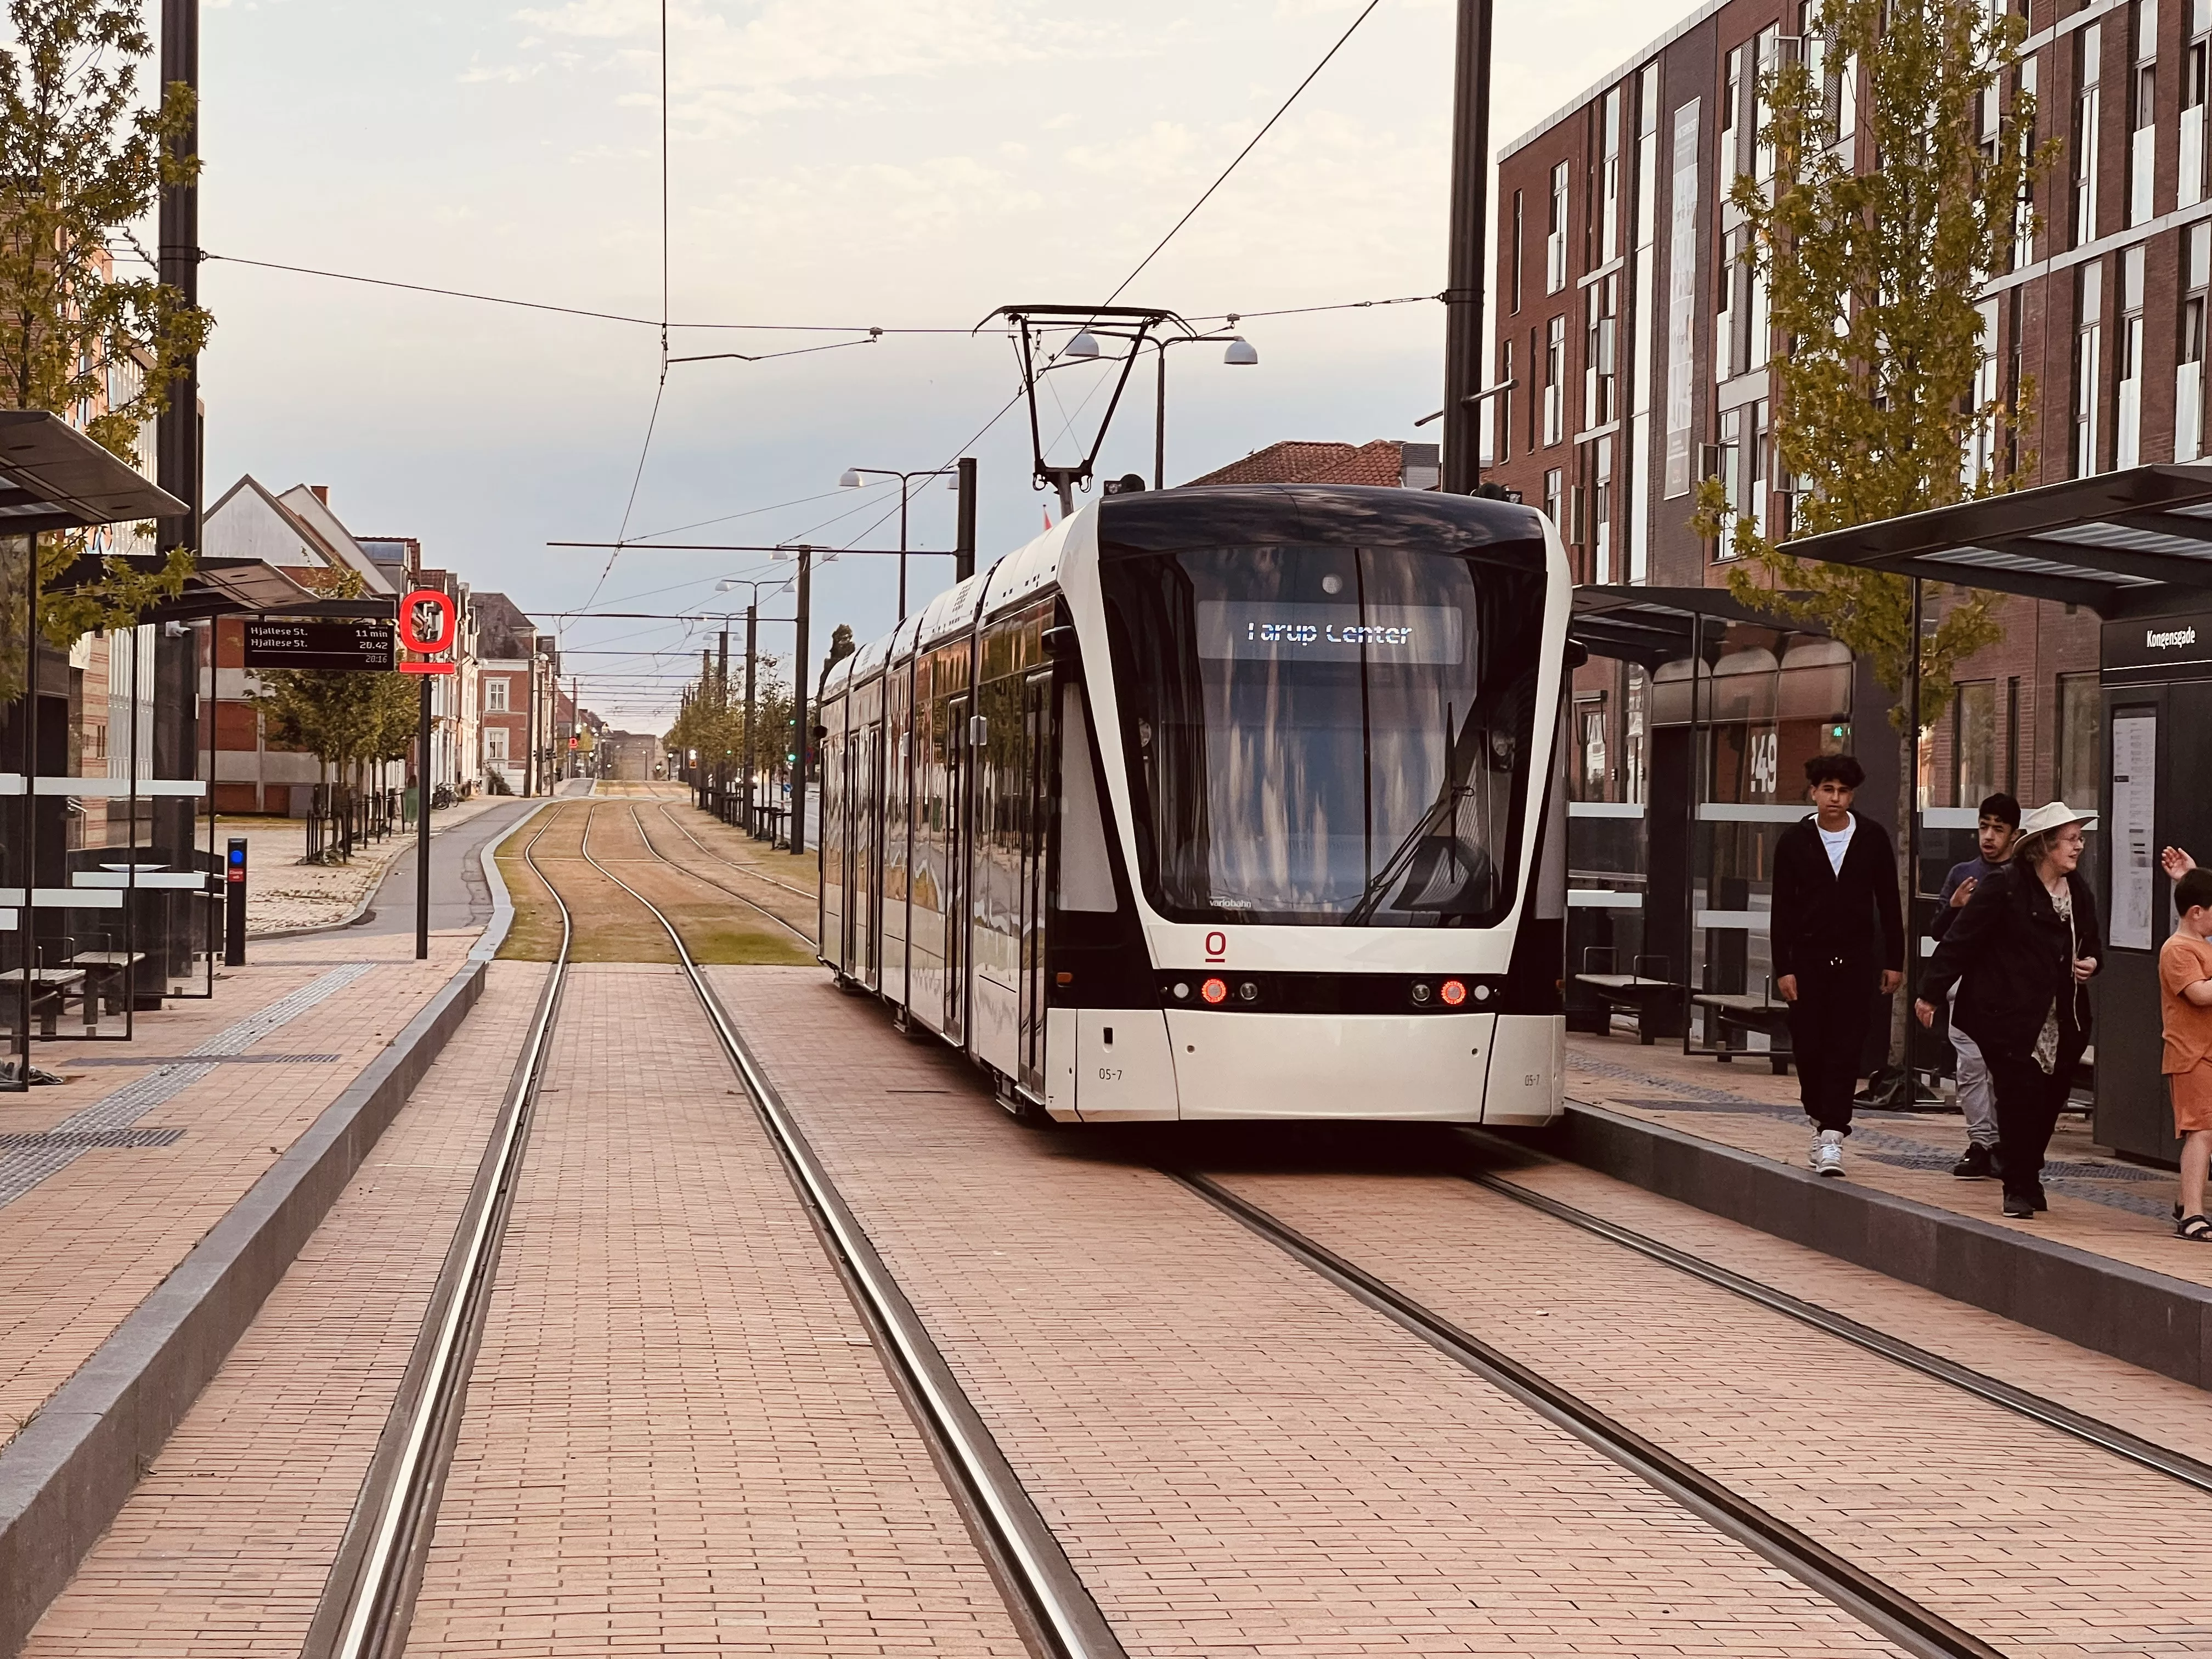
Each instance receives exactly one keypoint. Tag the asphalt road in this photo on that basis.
(459, 897)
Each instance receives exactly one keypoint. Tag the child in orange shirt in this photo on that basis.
(2185, 975)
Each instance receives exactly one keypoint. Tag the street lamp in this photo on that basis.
(1241, 354)
(854, 476)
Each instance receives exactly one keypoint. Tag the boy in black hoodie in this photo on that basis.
(1837, 936)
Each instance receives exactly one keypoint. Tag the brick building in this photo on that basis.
(1641, 347)
(517, 677)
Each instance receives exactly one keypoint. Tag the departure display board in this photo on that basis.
(358, 645)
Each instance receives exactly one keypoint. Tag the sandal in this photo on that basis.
(2195, 1228)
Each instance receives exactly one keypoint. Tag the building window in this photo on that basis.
(1600, 346)
(2195, 82)
(2189, 372)
(495, 743)
(1727, 466)
(1589, 716)
(1731, 147)
(1513, 277)
(2142, 114)
(1601, 513)
(1979, 462)
(1755, 478)
(1555, 234)
(1643, 316)
(2089, 65)
(2127, 410)
(1502, 406)
(1609, 180)
(2077, 770)
(1555, 377)
(1769, 45)
(495, 688)
(2088, 334)
(1974, 743)
(1727, 356)
(1554, 483)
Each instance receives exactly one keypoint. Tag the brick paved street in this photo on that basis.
(680, 1439)
(1238, 1457)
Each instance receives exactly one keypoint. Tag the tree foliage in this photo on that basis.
(344, 720)
(82, 161)
(713, 717)
(1874, 246)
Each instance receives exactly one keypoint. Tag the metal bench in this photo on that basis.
(1652, 998)
(1736, 1010)
(50, 988)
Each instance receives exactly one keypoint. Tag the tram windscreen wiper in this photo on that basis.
(1405, 858)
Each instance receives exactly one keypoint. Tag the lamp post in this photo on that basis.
(852, 480)
(1241, 354)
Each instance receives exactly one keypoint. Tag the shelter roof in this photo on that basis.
(54, 477)
(1655, 625)
(2123, 544)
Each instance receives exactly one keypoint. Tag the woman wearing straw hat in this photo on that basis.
(2021, 953)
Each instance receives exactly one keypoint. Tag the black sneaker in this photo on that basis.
(1977, 1165)
(2040, 1202)
(2018, 1209)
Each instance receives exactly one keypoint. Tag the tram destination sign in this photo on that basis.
(344, 645)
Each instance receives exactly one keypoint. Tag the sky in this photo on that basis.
(833, 165)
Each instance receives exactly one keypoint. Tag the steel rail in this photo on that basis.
(398, 1501)
(1916, 1628)
(806, 939)
(741, 869)
(1045, 1592)
(2178, 1465)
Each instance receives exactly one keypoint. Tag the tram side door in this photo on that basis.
(960, 758)
(1037, 772)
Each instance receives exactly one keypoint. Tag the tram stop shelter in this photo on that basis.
(2135, 547)
(74, 930)
(1710, 710)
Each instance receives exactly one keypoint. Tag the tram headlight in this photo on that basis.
(1422, 994)
(1215, 991)
(1454, 993)
(1248, 991)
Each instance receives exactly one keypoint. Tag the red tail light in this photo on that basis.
(1453, 993)
(1215, 991)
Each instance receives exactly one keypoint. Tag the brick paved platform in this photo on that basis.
(678, 1437)
(148, 1202)
(1238, 1457)
(2102, 1268)
(222, 1549)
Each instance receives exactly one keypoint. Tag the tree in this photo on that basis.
(1873, 246)
(80, 163)
(841, 646)
(346, 721)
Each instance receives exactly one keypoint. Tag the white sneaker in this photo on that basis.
(1828, 1157)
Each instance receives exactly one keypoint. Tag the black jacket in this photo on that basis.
(1821, 914)
(2009, 954)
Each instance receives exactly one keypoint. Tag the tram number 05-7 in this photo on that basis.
(1109, 1074)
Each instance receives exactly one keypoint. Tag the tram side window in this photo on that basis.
(1086, 875)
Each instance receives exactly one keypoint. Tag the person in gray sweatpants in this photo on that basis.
(1999, 828)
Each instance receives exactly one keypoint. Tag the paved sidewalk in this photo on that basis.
(2098, 1203)
(109, 1179)
(284, 894)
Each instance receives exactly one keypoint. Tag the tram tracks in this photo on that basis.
(367, 1600)
(367, 1613)
(801, 934)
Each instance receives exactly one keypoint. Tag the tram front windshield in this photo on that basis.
(1326, 736)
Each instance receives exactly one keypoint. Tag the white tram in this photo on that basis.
(1239, 802)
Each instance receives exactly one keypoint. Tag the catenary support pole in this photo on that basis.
(27, 918)
(752, 757)
(1468, 254)
(964, 539)
(801, 733)
(721, 713)
(177, 450)
(422, 824)
(1160, 419)
(904, 482)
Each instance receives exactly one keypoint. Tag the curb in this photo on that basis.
(503, 903)
(367, 899)
(2147, 1319)
(63, 1478)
